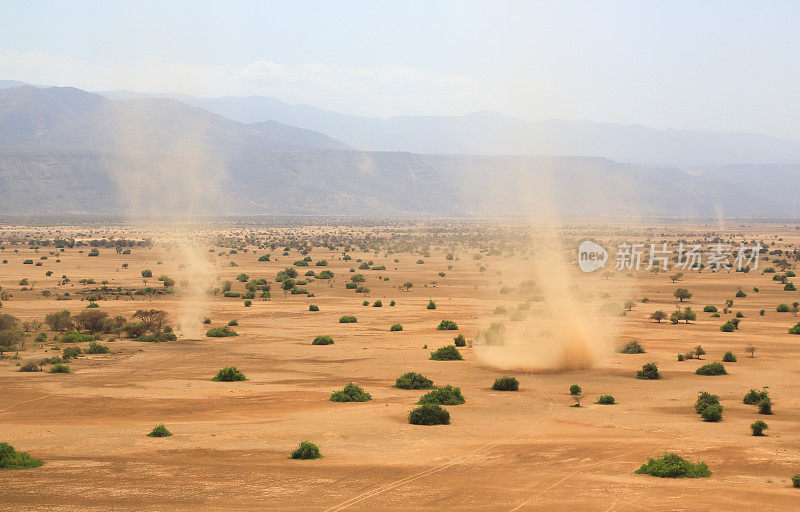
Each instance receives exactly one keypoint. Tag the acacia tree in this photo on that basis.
(406, 286)
(658, 316)
(682, 294)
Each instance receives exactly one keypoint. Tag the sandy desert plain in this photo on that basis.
(502, 451)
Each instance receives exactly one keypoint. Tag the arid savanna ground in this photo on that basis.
(503, 451)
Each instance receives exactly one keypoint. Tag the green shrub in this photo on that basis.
(606, 400)
(365, 303)
(306, 451)
(70, 352)
(446, 395)
(649, 371)
(221, 332)
(728, 357)
(233, 323)
(704, 399)
(413, 380)
(431, 304)
(753, 397)
(460, 341)
(229, 374)
(710, 309)
(446, 353)
(714, 368)
(758, 427)
(783, 308)
(75, 337)
(59, 368)
(429, 414)
(575, 389)
(30, 366)
(506, 384)
(347, 319)
(396, 327)
(712, 413)
(728, 327)
(632, 347)
(322, 339)
(447, 325)
(673, 466)
(350, 393)
(796, 480)
(313, 307)
(377, 304)
(681, 357)
(159, 431)
(765, 406)
(795, 329)
(12, 459)
(97, 348)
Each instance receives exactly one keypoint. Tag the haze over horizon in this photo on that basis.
(731, 69)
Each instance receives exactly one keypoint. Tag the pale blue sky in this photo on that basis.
(721, 65)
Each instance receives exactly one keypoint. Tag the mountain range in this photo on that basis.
(65, 150)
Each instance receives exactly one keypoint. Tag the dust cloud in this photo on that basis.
(563, 319)
(170, 185)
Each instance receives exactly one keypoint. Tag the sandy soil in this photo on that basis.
(503, 451)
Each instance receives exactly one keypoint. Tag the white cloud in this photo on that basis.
(377, 91)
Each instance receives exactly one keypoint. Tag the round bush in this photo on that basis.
(313, 307)
(59, 368)
(714, 368)
(322, 339)
(753, 397)
(429, 414)
(632, 347)
(413, 380)
(575, 389)
(350, 393)
(447, 395)
(796, 480)
(159, 431)
(649, 371)
(765, 406)
(506, 384)
(348, 319)
(712, 413)
(229, 374)
(460, 341)
(758, 427)
(673, 466)
(306, 451)
(446, 353)
(606, 400)
(12, 459)
(396, 327)
(704, 399)
(728, 357)
(221, 332)
(447, 325)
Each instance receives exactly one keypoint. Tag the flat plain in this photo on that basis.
(524, 450)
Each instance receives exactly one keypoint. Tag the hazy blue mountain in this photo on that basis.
(65, 150)
(488, 133)
(72, 119)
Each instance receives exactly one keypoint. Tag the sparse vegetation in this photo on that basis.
(350, 393)
(429, 414)
(413, 380)
(229, 374)
(670, 465)
(446, 353)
